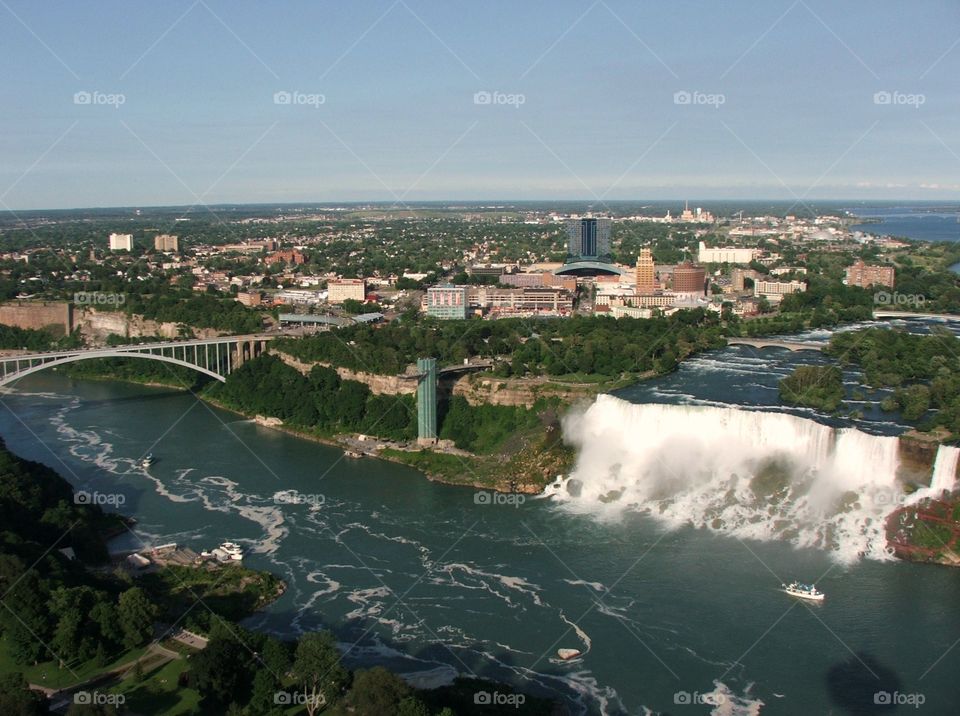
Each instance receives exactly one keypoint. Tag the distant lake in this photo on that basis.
(912, 222)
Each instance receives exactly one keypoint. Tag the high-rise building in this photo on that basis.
(688, 278)
(864, 276)
(166, 242)
(588, 238)
(646, 272)
(121, 242)
(447, 301)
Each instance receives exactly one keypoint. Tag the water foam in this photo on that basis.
(751, 474)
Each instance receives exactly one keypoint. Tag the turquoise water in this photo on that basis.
(418, 576)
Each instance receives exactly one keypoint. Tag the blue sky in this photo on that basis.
(782, 100)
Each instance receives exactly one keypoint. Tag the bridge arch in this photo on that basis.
(17, 375)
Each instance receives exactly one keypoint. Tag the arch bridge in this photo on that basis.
(215, 357)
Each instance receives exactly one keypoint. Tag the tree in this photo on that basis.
(17, 698)
(376, 691)
(135, 613)
(317, 670)
(220, 671)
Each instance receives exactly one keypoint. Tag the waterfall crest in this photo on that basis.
(750, 474)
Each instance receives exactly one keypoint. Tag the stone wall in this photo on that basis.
(35, 315)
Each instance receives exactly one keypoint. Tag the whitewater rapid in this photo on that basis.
(749, 474)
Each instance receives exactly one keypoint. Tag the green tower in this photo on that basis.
(427, 400)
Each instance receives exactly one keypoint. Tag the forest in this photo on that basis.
(923, 370)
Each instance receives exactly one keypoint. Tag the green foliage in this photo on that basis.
(33, 340)
(196, 310)
(814, 386)
(925, 369)
(222, 672)
(376, 691)
(581, 344)
(135, 614)
(268, 386)
(482, 428)
(17, 698)
(317, 670)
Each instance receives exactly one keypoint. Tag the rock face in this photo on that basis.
(378, 384)
(482, 389)
(918, 452)
(96, 326)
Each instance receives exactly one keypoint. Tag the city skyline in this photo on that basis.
(194, 103)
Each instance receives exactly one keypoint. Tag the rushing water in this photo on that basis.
(422, 578)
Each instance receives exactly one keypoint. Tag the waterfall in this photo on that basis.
(945, 470)
(751, 474)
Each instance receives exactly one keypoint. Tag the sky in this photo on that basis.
(204, 102)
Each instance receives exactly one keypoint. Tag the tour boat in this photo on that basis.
(226, 552)
(804, 591)
(353, 453)
(567, 654)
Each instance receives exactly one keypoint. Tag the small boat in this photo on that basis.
(147, 460)
(226, 552)
(353, 453)
(803, 591)
(567, 654)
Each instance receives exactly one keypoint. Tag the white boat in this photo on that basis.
(567, 654)
(803, 591)
(226, 552)
(147, 460)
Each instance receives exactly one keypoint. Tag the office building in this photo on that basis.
(588, 239)
(688, 278)
(342, 289)
(646, 279)
(774, 291)
(725, 255)
(532, 300)
(447, 302)
(287, 257)
(166, 242)
(864, 276)
(121, 242)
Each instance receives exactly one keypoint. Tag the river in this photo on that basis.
(420, 577)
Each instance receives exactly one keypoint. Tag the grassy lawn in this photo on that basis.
(49, 673)
(159, 693)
